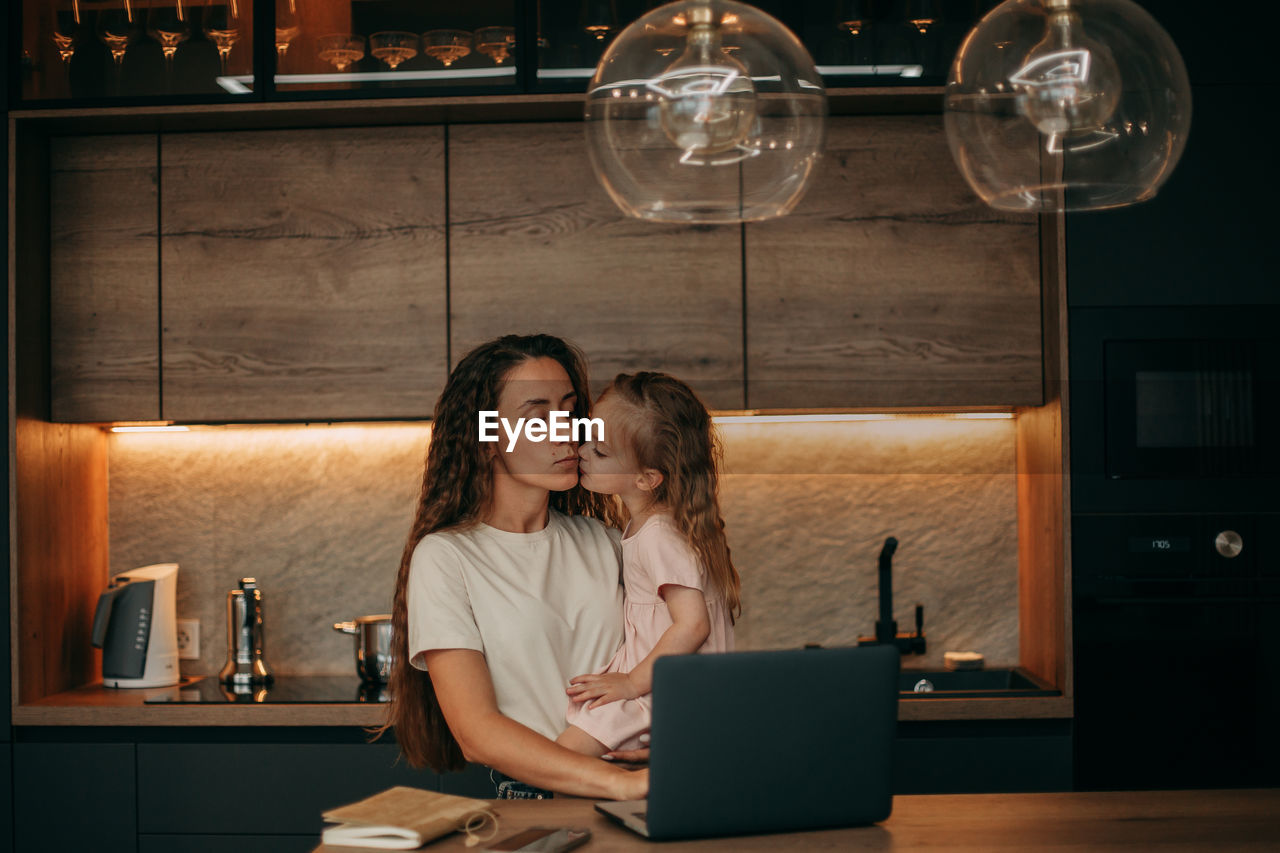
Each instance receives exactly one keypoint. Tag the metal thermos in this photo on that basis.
(244, 637)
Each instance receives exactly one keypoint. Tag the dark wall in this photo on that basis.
(1204, 239)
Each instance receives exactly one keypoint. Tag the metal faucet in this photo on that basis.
(886, 628)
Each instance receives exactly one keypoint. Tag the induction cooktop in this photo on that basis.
(285, 689)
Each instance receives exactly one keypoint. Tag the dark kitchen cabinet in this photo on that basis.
(260, 788)
(243, 793)
(6, 791)
(227, 843)
(1205, 239)
(537, 246)
(303, 273)
(74, 796)
(1174, 645)
(103, 279)
(892, 284)
(982, 756)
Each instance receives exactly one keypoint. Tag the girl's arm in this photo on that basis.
(464, 689)
(690, 626)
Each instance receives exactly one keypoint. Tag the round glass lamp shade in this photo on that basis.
(1067, 105)
(705, 111)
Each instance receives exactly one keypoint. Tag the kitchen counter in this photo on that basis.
(292, 701)
(95, 705)
(1142, 820)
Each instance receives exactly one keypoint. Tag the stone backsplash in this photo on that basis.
(319, 515)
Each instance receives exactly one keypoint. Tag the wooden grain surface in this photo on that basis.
(1044, 500)
(537, 246)
(61, 514)
(891, 283)
(104, 288)
(1187, 821)
(303, 274)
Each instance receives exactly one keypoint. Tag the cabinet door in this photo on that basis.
(103, 279)
(261, 789)
(74, 796)
(228, 843)
(6, 788)
(891, 284)
(537, 246)
(303, 274)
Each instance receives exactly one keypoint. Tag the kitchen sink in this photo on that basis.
(980, 684)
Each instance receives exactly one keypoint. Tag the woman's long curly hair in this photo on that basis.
(669, 430)
(457, 487)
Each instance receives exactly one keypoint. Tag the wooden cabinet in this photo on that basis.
(104, 295)
(303, 274)
(891, 284)
(537, 246)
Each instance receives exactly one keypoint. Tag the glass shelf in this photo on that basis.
(130, 52)
(435, 47)
(91, 51)
(854, 43)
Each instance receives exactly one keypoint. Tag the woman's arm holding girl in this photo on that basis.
(464, 689)
(690, 626)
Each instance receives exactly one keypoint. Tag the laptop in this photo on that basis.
(757, 742)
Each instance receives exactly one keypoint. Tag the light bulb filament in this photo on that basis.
(706, 80)
(1068, 83)
(707, 99)
(1060, 68)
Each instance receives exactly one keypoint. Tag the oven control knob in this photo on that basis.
(1228, 543)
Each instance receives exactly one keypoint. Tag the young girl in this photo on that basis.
(659, 457)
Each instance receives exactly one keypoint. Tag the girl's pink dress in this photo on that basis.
(656, 554)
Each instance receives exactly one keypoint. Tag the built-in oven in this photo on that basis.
(1176, 625)
(1175, 409)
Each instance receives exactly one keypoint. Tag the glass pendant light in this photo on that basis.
(705, 111)
(1067, 105)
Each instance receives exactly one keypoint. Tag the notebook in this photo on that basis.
(403, 818)
(757, 742)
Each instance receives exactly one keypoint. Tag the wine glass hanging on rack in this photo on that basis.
(222, 25)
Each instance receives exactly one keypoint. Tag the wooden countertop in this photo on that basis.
(95, 705)
(1188, 821)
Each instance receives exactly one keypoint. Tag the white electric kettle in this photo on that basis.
(136, 627)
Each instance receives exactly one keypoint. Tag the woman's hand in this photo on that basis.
(604, 687)
(629, 756)
(632, 785)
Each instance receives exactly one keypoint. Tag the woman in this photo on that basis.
(509, 583)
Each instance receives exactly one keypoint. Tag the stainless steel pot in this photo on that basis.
(373, 646)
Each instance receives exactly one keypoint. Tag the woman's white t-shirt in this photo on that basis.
(542, 607)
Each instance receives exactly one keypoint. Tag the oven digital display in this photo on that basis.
(1159, 544)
